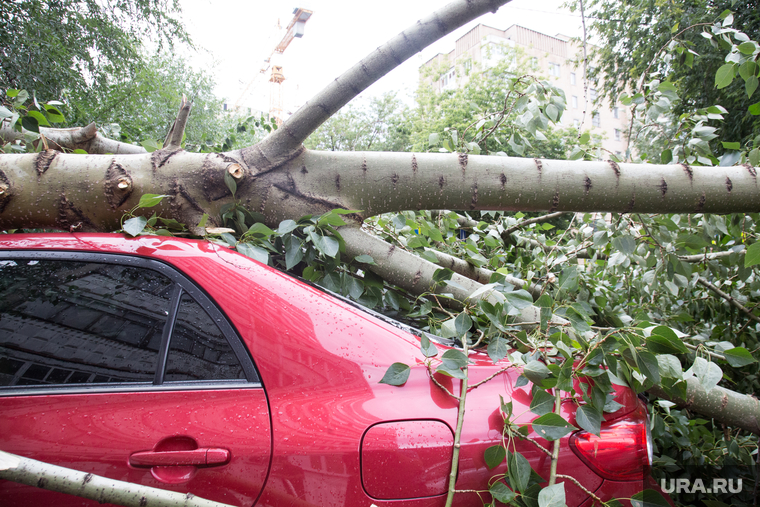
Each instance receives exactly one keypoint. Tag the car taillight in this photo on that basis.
(621, 452)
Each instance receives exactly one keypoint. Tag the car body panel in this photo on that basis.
(320, 361)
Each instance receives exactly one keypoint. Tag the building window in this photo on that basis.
(572, 78)
(592, 93)
(575, 102)
(467, 65)
(617, 134)
(576, 123)
(448, 81)
(615, 112)
(554, 69)
(596, 120)
(534, 63)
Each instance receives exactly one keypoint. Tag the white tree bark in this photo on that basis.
(101, 489)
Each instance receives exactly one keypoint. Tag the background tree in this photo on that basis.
(49, 46)
(630, 42)
(383, 124)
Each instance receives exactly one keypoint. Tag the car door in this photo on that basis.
(120, 366)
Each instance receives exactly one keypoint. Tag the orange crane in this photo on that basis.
(294, 29)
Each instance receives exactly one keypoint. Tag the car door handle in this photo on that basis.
(206, 456)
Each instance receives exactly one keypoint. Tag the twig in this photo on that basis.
(708, 256)
(534, 442)
(729, 298)
(458, 432)
(555, 449)
(530, 221)
(435, 381)
(575, 481)
(475, 385)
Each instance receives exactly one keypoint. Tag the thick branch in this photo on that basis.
(456, 181)
(725, 406)
(316, 111)
(83, 138)
(481, 275)
(101, 489)
(173, 140)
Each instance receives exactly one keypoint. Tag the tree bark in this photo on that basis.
(727, 407)
(83, 138)
(101, 489)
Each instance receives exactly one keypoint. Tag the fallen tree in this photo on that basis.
(281, 180)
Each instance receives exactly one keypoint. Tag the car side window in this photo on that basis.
(198, 350)
(66, 322)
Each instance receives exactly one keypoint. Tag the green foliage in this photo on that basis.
(50, 47)
(380, 125)
(681, 42)
(24, 115)
(501, 110)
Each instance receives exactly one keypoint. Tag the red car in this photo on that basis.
(185, 366)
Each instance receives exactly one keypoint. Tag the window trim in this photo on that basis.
(182, 284)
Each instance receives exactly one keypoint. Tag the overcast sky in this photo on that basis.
(238, 34)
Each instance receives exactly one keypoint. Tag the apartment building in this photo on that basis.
(551, 57)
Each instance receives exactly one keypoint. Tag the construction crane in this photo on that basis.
(294, 29)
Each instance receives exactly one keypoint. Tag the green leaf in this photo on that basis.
(725, 75)
(365, 259)
(497, 349)
(738, 357)
(396, 375)
(494, 456)
(230, 182)
(747, 48)
(519, 299)
(462, 324)
(456, 357)
(203, 221)
(589, 418)
(254, 252)
(427, 348)
(708, 373)
(625, 244)
(752, 257)
(754, 109)
(649, 498)
(568, 279)
(286, 226)
(150, 200)
(552, 426)
(754, 156)
(501, 493)
(536, 371)
(542, 402)
(442, 274)
(519, 470)
(259, 230)
(433, 139)
(751, 85)
(649, 366)
(41, 120)
(5, 113)
(229, 239)
(135, 225)
(293, 252)
(30, 123)
(732, 146)
(552, 496)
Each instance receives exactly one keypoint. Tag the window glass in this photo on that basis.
(67, 322)
(198, 349)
